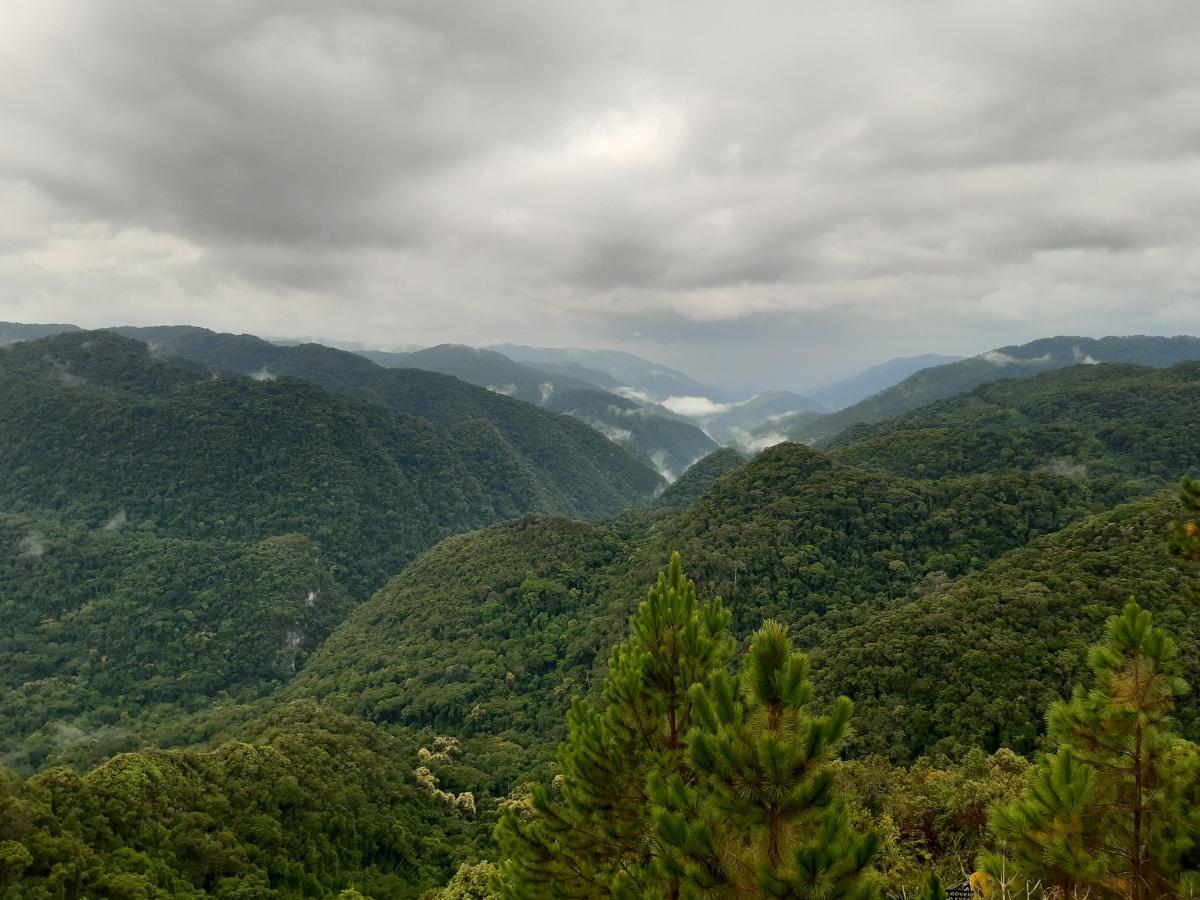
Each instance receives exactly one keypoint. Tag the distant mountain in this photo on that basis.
(1025, 361)
(12, 332)
(671, 443)
(1108, 423)
(652, 380)
(841, 394)
(485, 368)
(736, 422)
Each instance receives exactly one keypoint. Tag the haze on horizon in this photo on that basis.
(766, 194)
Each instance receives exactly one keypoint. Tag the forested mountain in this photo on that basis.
(696, 481)
(1095, 422)
(191, 524)
(99, 426)
(1025, 361)
(974, 662)
(874, 379)
(670, 442)
(666, 442)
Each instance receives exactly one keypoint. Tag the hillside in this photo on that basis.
(975, 662)
(874, 379)
(1100, 422)
(669, 442)
(99, 426)
(697, 480)
(1024, 361)
(582, 472)
(110, 632)
(487, 636)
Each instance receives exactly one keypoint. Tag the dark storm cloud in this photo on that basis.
(755, 175)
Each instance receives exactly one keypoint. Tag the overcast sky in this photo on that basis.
(758, 193)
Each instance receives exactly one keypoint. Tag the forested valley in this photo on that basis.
(285, 622)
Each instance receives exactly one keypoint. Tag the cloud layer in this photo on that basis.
(761, 191)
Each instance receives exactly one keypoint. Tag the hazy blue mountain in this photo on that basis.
(1024, 361)
(11, 332)
(737, 423)
(654, 380)
(841, 394)
(670, 442)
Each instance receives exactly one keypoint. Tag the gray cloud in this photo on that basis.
(763, 192)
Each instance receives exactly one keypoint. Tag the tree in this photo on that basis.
(597, 830)
(1112, 813)
(760, 817)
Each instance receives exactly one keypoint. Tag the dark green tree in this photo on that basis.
(596, 833)
(760, 817)
(1112, 812)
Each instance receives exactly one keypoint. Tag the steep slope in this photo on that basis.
(485, 368)
(847, 391)
(1025, 361)
(96, 426)
(488, 635)
(1115, 422)
(669, 442)
(699, 478)
(581, 471)
(108, 633)
(976, 662)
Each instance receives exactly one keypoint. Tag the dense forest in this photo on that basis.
(282, 622)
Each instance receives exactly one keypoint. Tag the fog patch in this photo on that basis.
(507, 390)
(695, 407)
(1067, 468)
(612, 432)
(1084, 359)
(263, 375)
(996, 358)
(546, 389)
(32, 546)
(753, 443)
(659, 459)
(632, 393)
(118, 521)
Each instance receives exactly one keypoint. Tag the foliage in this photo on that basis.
(317, 804)
(1114, 425)
(757, 814)
(974, 662)
(109, 633)
(1113, 810)
(695, 482)
(596, 833)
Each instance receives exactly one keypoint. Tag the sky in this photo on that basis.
(766, 194)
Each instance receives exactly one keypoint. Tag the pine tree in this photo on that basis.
(933, 889)
(596, 834)
(760, 818)
(1112, 813)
